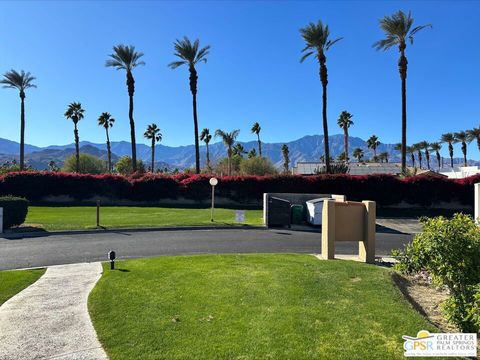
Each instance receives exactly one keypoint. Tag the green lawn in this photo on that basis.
(84, 217)
(251, 307)
(14, 281)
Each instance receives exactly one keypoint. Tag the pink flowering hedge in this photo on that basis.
(384, 189)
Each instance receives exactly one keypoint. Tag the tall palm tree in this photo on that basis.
(436, 146)
(425, 146)
(153, 133)
(418, 148)
(358, 154)
(256, 130)
(228, 139)
(474, 134)
(106, 120)
(449, 138)
(75, 113)
(125, 57)
(398, 29)
(372, 143)
(461, 137)
(190, 55)
(316, 37)
(21, 81)
(411, 151)
(345, 121)
(286, 157)
(205, 136)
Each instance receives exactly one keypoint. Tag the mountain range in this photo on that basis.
(308, 148)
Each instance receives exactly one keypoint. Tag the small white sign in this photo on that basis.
(240, 216)
(440, 344)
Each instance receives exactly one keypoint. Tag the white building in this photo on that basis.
(311, 168)
(461, 172)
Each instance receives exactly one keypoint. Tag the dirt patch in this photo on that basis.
(425, 298)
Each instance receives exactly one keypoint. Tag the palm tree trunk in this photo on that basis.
(229, 156)
(450, 151)
(420, 159)
(77, 148)
(464, 150)
(131, 91)
(428, 159)
(324, 80)
(193, 89)
(22, 131)
(402, 66)
(109, 153)
(259, 145)
(413, 159)
(153, 154)
(345, 140)
(438, 160)
(208, 157)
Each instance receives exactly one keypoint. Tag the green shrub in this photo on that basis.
(124, 166)
(449, 250)
(258, 166)
(15, 210)
(89, 164)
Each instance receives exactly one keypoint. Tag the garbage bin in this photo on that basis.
(297, 214)
(278, 212)
(314, 210)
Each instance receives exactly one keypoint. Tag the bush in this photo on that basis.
(449, 250)
(89, 164)
(256, 165)
(15, 211)
(124, 166)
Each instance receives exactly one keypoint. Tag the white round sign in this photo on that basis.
(213, 181)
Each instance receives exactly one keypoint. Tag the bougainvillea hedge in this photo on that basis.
(384, 189)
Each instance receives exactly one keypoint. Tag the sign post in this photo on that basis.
(213, 182)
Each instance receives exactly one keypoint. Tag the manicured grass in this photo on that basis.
(251, 307)
(14, 281)
(84, 217)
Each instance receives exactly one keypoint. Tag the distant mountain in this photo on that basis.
(307, 148)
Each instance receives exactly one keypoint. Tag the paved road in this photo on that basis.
(68, 249)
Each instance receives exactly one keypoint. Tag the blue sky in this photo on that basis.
(253, 72)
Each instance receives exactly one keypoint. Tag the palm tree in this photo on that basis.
(474, 134)
(345, 121)
(286, 157)
(418, 148)
(384, 156)
(398, 29)
(75, 113)
(153, 133)
(125, 57)
(461, 137)
(372, 143)
(436, 146)
(191, 55)
(239, 150)
(106, 120)
(316, 37)
(449, 138)
(411, 151)
(425, 146)
(228, 139)
(206, 137)
(358, 154)
(256, 130)
(21, 81)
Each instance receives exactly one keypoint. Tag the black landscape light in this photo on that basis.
(111, 257)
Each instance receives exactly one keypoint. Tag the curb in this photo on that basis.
(34, 234)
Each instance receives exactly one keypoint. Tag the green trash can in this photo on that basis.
(296, 212)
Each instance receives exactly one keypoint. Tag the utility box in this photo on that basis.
(314, 210)
(279, 212)
(349, 221)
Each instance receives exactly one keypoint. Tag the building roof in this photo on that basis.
(310, 168)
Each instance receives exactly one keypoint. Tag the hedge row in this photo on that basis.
(384, 189)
